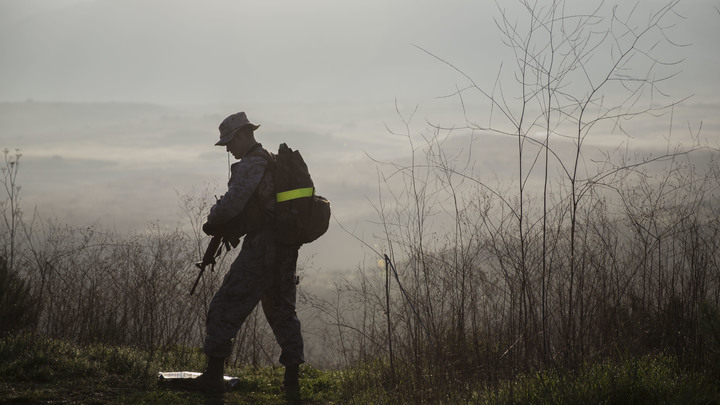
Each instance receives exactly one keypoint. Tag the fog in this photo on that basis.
(115, 105)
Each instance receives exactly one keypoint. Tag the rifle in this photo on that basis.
(212, 251)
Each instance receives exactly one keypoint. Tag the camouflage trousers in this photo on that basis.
(263, 272)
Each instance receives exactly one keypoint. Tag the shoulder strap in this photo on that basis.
(255, 199)
(260, 152)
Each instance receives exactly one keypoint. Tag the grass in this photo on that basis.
(656, 379)
(35, 370)
(648, 380)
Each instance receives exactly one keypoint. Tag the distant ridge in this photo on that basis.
(30, 114)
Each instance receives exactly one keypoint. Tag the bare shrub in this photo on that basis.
(607, 257)
(18, 307)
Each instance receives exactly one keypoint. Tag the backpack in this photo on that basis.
(301, 216)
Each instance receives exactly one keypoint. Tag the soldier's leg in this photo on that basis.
(278, 304)
(241, 290)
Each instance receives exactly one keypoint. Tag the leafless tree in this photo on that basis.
(547, 271)
(10, 207)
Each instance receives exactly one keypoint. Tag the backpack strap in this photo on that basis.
(256, 200)
(260, 152)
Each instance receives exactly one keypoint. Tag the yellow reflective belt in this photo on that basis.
(293, 194)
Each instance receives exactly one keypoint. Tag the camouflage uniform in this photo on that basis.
(264, 271)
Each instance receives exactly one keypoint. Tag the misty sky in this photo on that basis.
(149, 81)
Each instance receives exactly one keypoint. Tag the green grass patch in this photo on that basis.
(35, 370)
(648, 380)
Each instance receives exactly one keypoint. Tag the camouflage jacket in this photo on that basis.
(248, 177)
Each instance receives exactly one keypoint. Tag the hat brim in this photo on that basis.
(225, 139)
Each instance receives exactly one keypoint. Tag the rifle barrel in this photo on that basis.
(197, 280)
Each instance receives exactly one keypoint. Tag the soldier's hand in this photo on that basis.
(211, 229)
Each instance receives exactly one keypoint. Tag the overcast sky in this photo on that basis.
(322, 75)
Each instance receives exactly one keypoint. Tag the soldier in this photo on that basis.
(264, 270)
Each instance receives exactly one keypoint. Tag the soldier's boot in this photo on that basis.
(291, 383)
(213, 379)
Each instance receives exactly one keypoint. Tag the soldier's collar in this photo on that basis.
(257, 145)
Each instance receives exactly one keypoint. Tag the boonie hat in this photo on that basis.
(232, 124)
